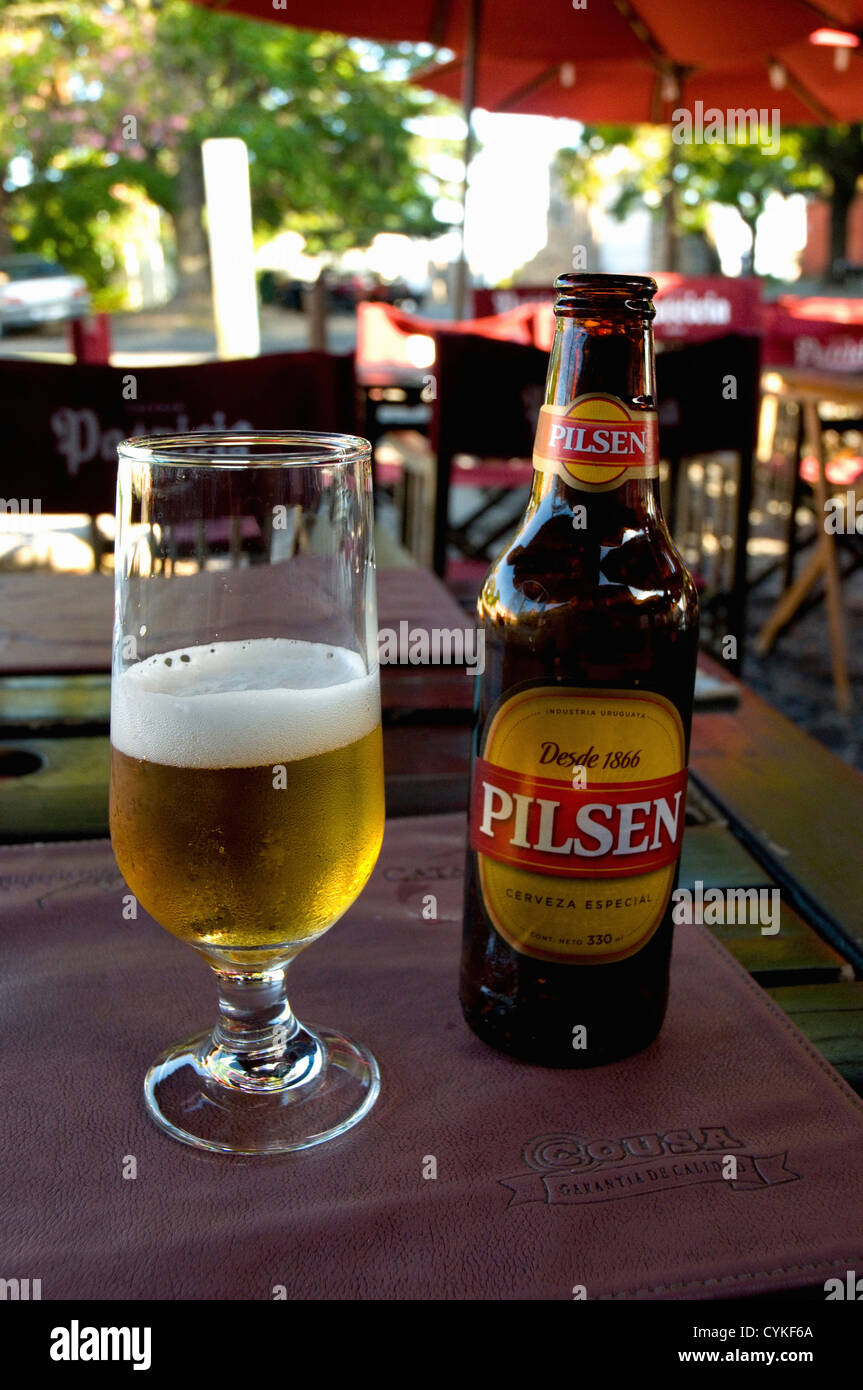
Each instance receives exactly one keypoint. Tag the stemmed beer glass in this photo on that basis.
(247, 801)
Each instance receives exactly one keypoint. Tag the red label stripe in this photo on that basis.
(610, 829)
(597, 443)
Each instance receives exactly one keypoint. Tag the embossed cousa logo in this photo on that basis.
(567, 1169)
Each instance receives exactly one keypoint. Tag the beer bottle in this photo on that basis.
(578, 775)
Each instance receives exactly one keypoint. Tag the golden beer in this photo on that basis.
(247, 800)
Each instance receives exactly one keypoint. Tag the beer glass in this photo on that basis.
(247, 802)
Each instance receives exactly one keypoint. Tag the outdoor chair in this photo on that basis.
(396, 361)
(708, 397)
(483, 426)
(786, 477)
(64, 422)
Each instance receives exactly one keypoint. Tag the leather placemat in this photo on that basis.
(609, 1178)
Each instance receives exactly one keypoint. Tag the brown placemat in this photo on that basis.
(609, 1178)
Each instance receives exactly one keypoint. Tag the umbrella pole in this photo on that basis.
(468, 96)
(670, 209)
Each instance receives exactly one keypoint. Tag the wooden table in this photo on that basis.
(809, 390)
(768, 806)
(59, 626)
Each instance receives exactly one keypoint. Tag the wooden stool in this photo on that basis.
(809, 389)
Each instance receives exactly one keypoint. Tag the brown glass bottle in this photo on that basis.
(583, 713)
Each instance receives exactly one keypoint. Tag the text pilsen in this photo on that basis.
(580, 439)
(606, 828)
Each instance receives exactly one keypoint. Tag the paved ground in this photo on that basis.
(169, 337)
(796, 676)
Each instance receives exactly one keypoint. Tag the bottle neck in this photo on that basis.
(608, 351)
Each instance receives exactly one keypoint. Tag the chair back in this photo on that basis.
(488, 395)
(817, 334)
(392, 344)
(708, 397)
(62, 423)
(689, 308)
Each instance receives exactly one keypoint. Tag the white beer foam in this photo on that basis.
(242, 704)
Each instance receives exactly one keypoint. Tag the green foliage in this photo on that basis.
(99, 94)
(68, 220)
(829, 155)
(109, 300)
(809, 159)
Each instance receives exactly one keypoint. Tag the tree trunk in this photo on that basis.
(7, 246)
(316, 313)
(748, 263)
(193, 254)
(840, 203)
(670, 219)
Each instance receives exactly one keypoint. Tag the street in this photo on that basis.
(171, 336)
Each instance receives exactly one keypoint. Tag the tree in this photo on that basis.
(41, 44)
(827, 160)
(325, 119)
(833, 157)
(680, 182)
(649, 182)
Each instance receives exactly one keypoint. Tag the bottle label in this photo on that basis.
(577, 814)
(596, 443)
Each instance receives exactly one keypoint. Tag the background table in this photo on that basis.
(61, 625)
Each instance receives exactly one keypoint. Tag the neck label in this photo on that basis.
(596, 442)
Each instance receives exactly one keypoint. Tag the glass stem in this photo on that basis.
(258, 1044)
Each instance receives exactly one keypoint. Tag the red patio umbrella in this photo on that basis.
(658, 37)
(818, 79)
(801, 80)
(664, 29)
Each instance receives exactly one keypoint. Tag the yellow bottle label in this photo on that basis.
(577, 814)
(596, 442)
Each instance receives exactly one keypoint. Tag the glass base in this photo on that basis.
(201, 1093)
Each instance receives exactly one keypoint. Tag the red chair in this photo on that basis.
(698, 308)
(90, 340)
(483, 426)
(396, 361)
(818, 333)
(689, 308)
(501, 300)
(390, 341)
(62, 424)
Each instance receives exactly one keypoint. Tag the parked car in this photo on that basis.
(35, 291)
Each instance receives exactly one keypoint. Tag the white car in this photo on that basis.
(34, 291)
